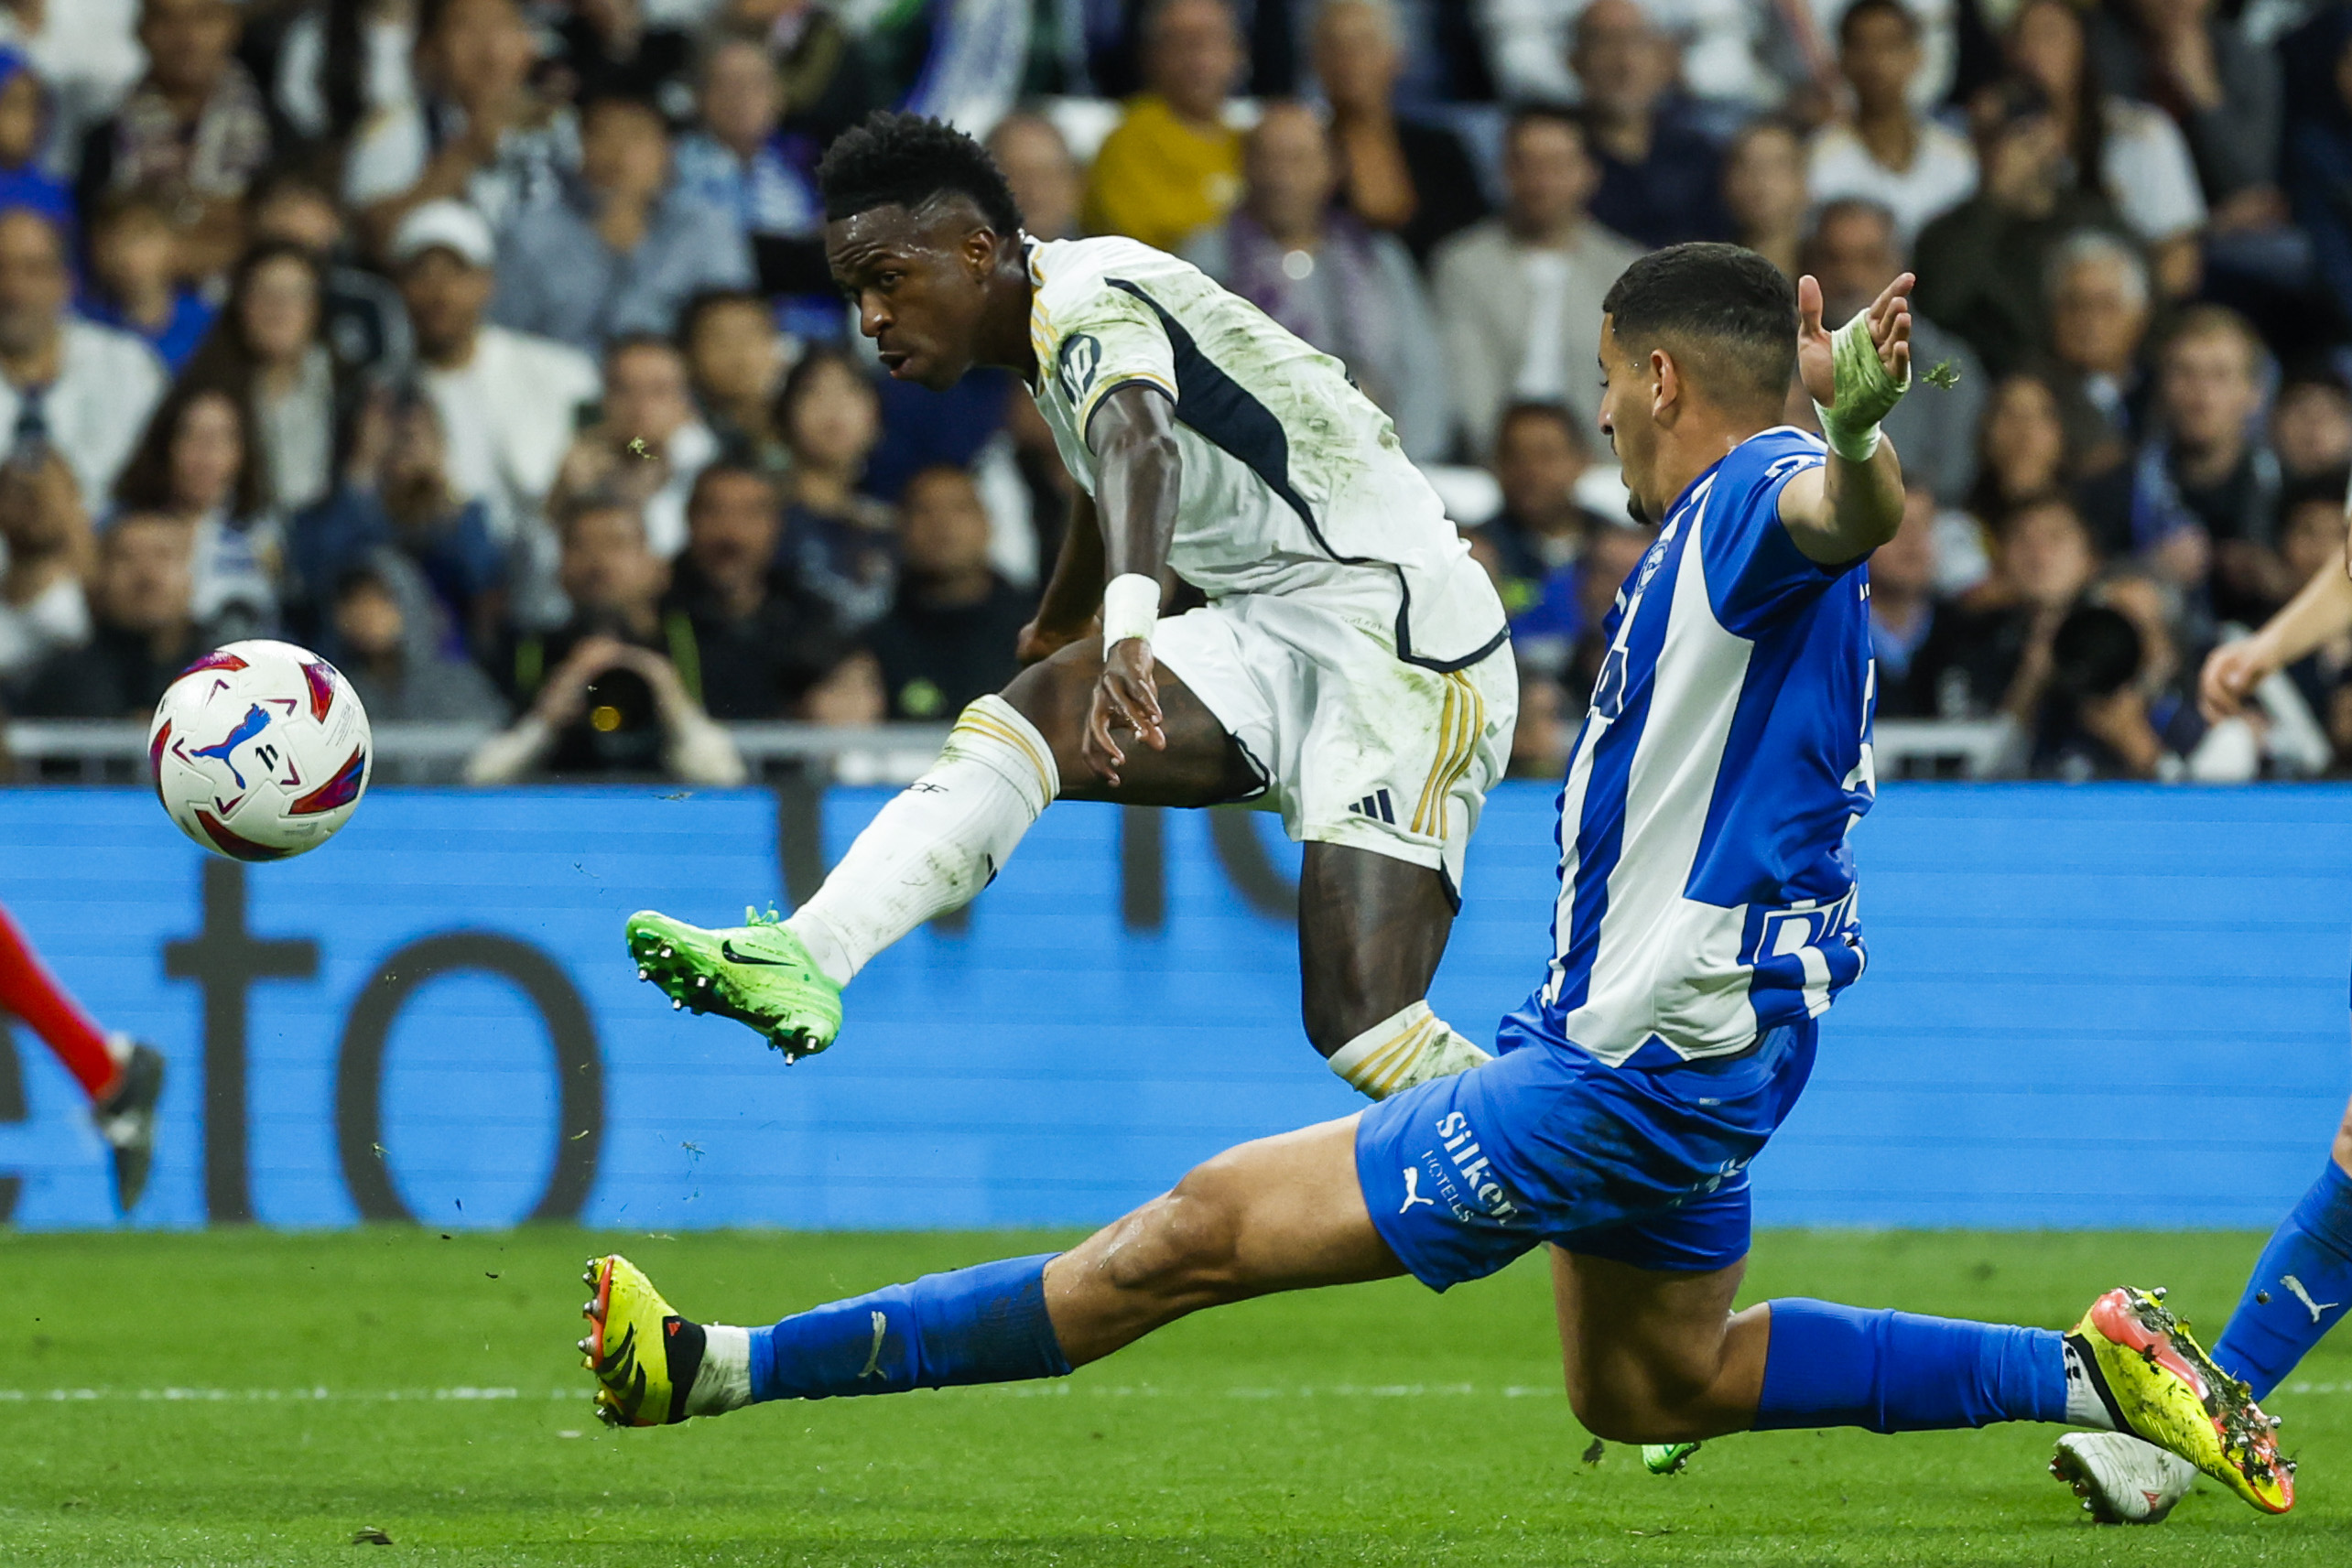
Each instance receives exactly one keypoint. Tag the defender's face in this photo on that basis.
(918, 281)
(1626, 396)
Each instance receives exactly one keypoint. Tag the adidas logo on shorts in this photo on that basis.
(1376, 806)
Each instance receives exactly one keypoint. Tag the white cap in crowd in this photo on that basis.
(445, 226)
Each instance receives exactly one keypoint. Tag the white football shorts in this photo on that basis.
(1356, 746)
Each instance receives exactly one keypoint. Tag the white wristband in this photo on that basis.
(1130, 608)
(1855, 446)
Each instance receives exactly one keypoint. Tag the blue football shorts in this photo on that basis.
(1645, 1163)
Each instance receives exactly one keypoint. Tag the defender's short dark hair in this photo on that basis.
(1726, 313)
(905, 160)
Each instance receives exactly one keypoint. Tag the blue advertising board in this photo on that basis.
(2084, 1006)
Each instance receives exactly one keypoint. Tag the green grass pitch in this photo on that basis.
(255, 1398)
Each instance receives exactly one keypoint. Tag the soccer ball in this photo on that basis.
(260, 751)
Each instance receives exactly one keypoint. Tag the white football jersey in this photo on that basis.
(1293, 480)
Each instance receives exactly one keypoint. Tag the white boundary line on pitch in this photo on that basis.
(1013, 1391)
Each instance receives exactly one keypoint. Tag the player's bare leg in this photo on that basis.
(1370, 931)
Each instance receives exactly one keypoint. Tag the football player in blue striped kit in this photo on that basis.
(1706, 919)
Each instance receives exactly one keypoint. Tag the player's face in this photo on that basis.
(919, 280)
(1626, 396)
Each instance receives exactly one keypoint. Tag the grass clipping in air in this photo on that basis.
(250, 1397)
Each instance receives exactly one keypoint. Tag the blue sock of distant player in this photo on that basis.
(982, 1324)
(2300, 1288)
(1894, 1371)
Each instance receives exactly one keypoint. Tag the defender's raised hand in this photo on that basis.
(1880, 344)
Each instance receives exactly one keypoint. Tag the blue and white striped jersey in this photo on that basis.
(1707, 891)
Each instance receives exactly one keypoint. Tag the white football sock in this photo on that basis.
(2085, 1405)
(723, 1381)
(1412, 1047)
(934, 847)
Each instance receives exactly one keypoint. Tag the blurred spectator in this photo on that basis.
(735, 359)
(839, 541)
(1904, 611)
(1409, 177)
(2318, 161)
(1047, 184)
(2202, 472)
(2222, 91)
(266, 347)
(475, 132)
(509, 402)
(949, 637)
(2098, 289)
(143, 629)
(738, 161)
(762, 644)
(66, 383)
(1349, 290)
(2311, 423)
(649, 445)
(603, 694)
(1660, 177)
(396, 494)
(625, 249)
(1854, 253)
(2022, 449)
(382, 633)
(827, 86)
(2126, 151)
(45, 549)
(24, 132)
(1889, 152)
(606, 48)
(1763, 192)
(1716, 46)
(197, 465)
(86, 52)
(1993, 657)
(193, 133)
(1540, 736)
(1980, 266)
(340, 62)
(1615, 553)
(135, 279)
(365, 326)
(1520, 293)
(1174, 166)
(1539, 454)
(2091, 719)
(2310, 540)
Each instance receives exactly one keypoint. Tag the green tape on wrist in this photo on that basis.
(1863, 391)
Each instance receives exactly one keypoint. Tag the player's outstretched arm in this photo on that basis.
(2322, 610)
(1066, 610)
(1856, 375)
(1137, 476)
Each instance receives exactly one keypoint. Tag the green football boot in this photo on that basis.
(1667, 1459)
(757, 973)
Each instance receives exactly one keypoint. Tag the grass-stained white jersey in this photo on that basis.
(1293, 480)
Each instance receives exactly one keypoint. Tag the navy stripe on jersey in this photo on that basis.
(1223, 412)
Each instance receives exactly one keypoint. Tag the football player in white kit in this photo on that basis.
(1350, 668)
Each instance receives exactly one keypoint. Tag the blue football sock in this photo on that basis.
(982, 1324)
(1892, 1371)
(2299, 1290)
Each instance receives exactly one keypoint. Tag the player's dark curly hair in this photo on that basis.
(1727, 313)
(904, 160)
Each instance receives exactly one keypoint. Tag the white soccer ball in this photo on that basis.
(260, 749)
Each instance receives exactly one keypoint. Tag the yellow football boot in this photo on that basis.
(635, 1345)
(2162, 1387)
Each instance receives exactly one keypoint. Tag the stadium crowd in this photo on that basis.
(488, 347)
